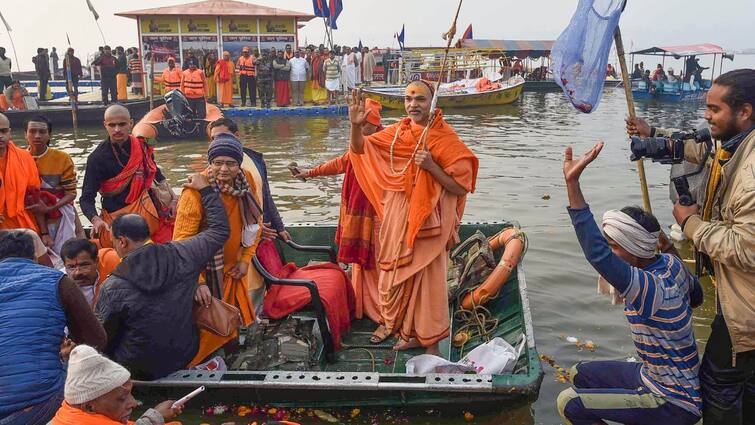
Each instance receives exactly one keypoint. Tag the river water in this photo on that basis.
(520, 148)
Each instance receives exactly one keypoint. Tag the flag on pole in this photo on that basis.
(360, 47)
(466, 36)
(335, 7)
(7, 27)
(401, 37)
(94, 12)
(580, 54)
(69, 40)
(321, 8)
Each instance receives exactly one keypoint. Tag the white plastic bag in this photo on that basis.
(493, 357)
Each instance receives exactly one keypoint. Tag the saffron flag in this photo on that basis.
(7, 27)
(94, 12)
(335, 8)
(580, 54)
(321, 8)
(401, 37)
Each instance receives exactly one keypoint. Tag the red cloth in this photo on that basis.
(140, 171)
(333, 284)
(282, 96)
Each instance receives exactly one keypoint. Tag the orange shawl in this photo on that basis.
(373, 172)
(68, 415)
(19, 178)
(140, 171)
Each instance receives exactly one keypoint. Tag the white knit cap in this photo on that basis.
(629, 234)
(91, 375)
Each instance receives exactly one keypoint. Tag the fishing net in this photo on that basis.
(580, 54)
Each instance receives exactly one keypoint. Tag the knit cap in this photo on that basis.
(226, 144)
(91, 375)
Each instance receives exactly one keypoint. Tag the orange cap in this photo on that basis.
(372, 109)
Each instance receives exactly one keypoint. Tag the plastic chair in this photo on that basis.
(269, 265)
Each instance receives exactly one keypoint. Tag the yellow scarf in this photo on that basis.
(722, 155)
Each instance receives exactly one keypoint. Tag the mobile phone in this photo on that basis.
(183, 400)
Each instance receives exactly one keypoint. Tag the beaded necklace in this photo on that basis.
(411, 158)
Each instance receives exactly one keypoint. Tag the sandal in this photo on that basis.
(380, 335)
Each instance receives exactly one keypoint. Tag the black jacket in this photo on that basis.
(145, 305)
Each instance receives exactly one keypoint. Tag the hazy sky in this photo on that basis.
(44, 23)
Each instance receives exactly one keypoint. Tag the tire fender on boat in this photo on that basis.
(512, 241)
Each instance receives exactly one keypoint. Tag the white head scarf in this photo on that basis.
(629, 234)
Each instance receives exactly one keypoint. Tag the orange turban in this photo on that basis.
(372, 109)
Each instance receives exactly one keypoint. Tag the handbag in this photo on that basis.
(470, 263)
(219, 318)
(162, 195)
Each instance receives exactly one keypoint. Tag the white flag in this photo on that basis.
(7, 27)
(94, 12)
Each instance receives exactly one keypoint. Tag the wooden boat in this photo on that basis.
(393, 97)
(87, 112)
(362, 374)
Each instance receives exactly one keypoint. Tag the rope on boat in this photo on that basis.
(479, 321)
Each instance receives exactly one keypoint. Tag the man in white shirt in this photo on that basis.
(299, 67)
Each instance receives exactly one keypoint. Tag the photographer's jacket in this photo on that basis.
(728, 238)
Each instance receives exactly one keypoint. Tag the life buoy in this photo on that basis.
(512, 241)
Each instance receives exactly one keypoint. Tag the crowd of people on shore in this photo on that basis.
(124, 296)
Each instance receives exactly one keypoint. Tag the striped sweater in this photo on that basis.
(658, 306)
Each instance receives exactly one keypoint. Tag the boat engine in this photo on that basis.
(180, 119)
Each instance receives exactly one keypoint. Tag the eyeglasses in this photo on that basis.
(74, 267)
(228, 164)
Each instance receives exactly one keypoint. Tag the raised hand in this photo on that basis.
(573, 167)
(357, 114)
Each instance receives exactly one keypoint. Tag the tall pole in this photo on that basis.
(630, 106)
(72, 96)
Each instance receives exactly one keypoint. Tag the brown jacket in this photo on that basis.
(729, 240)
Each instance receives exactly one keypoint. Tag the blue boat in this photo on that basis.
(688, 84)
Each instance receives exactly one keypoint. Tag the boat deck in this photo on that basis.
(365, 374)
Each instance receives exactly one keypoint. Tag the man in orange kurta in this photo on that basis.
(238, 194)
(19, 186)
(224, 73)
(416, 174)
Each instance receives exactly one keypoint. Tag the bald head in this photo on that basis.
(130, 232)
(118, 123)
(117, 111)
(4, 133)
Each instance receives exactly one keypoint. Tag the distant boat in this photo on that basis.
(86, 113)
(458, 94)
(686, 88)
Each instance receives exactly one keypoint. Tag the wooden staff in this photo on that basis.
(423, 138)
(72, 95)
(630, 106)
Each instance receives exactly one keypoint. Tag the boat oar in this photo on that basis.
(72, 96)
(632, 114)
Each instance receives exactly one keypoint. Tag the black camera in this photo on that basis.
(666, 150)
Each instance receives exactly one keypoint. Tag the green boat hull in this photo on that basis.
(364, 374)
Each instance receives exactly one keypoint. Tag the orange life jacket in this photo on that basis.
(246, 65)
(193, 83)
(172, 78)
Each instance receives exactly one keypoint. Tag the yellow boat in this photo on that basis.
(393, 97)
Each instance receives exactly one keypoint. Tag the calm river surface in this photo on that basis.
(520, 148)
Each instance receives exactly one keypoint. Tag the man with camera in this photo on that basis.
(722, 227)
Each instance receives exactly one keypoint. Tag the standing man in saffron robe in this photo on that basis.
(19, 181)
(416, 176)
(224, 70)
(123, 170)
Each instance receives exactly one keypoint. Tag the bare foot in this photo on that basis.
(434, 350)
(406, 345)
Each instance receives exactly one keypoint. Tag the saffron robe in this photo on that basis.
(412, 263)
(18, 176)
(224, 80)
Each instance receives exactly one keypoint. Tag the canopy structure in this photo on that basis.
(216, 8)
(680, 51)
(518, 48)
(196, 29)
